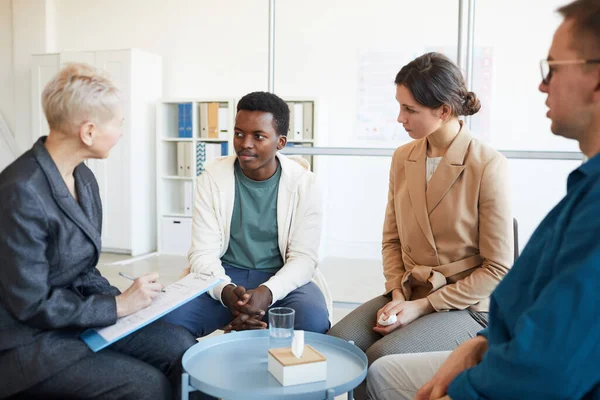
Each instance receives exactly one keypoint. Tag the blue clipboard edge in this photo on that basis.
(96, 342)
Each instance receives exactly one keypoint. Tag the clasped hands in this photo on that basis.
(248, 307)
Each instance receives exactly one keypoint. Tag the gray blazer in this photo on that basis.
(50, 289)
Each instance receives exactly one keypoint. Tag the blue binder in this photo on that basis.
(181, 119)
(185, 120)
(188, 120)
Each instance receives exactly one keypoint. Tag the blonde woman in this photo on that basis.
(50, 289)
(447, 235)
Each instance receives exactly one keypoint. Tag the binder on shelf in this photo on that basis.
(308, 121)
(185, 120)
(200, 157)
(203, 115)
(223, 123)
(181, 120)
(181, 159)
(298, 121)
(188, 121)
(188, 198)
(290, 133)
(188, 160)
(213, 120)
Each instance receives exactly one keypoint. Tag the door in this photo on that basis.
(114, 173)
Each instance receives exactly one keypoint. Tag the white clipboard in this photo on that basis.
(175, 295)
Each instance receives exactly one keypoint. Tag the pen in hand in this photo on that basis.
(124, 275)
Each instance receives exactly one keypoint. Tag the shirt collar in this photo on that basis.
(587, 169)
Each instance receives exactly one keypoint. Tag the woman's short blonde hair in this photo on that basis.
(77, 94)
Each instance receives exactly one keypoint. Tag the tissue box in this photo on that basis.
(289, 370)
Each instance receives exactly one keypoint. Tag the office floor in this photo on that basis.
(351, 282)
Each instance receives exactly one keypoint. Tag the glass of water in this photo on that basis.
(281, 327)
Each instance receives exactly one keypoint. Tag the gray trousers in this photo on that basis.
(438, 331)
(400, 376)
(143, 365)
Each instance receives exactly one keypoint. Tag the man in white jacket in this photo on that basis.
(257, 225)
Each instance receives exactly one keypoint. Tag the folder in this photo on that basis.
(223, 123)
(188, 160)
(200, 157)
(290, 134)
(181, 120)
(298, 121)
(203, 114)
(188, 120)
(188, 197)
(185, 120)
(180, 158)
(308, 121)
(213, 150)
(213, 120)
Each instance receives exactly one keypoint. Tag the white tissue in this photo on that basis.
(298, 344)
(385, 322)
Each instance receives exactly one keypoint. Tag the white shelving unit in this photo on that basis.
(309, 116)
(175, 192)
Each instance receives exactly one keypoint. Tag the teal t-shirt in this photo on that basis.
(253, 240)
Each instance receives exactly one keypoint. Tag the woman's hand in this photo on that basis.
(405, 311)
(138, 295)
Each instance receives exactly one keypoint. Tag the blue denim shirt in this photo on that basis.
(544, 326)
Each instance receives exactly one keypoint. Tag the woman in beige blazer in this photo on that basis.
(448, 233)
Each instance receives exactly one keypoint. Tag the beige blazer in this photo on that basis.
(451, 242)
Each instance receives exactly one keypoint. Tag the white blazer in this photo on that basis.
(299, 221)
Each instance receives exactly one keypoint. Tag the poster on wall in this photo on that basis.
(377, 111)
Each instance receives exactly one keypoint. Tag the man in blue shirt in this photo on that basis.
(543, 338)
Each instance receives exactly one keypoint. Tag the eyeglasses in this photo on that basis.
(547, 70)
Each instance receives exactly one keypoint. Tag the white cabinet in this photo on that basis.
(127, 178)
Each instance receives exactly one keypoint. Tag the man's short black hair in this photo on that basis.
(268, 102)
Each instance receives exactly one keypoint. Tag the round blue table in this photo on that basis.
(234, 366)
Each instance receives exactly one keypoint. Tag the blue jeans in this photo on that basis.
(204, 315)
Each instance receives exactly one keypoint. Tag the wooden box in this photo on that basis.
(290, 370)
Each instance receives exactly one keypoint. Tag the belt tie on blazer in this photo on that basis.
(436, 276)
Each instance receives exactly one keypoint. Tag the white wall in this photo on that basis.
(6, 65)
(517, 119)
(212, 48)
(209, 48)
(30, 19)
